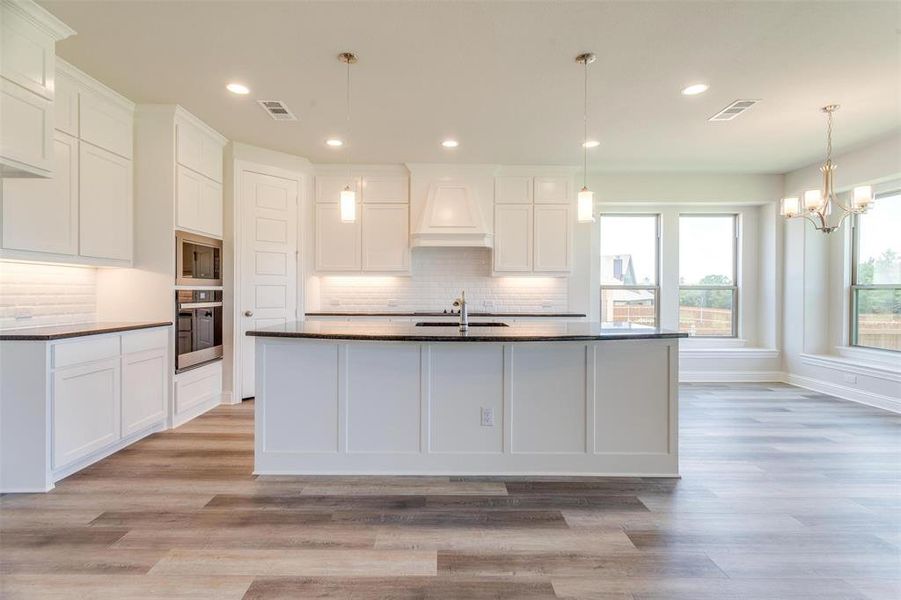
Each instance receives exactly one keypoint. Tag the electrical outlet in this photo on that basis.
(488, 305)
(392, 302)
(24, 312)
(487, 417)
(334, 302)
(850, 378)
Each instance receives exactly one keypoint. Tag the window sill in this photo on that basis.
(868, 368)
(724, 351)
(870, 356)
(706, 343)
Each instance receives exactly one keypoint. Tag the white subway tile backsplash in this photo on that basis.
(438, 276)
(32, 295)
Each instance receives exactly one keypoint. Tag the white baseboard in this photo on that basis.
(729, 376)
(845, 392)
(196, 410)
(229, 398)
(104, 452)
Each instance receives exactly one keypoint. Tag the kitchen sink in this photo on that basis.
(457, 324)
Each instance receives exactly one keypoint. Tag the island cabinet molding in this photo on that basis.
(533, 221)
(378, 240)
(375, 407)
(67, 403)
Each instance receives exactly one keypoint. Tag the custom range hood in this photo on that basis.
(448, 206)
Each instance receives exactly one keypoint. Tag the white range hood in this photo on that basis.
(452, 217)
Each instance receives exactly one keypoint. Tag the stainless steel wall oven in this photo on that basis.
(198, 327)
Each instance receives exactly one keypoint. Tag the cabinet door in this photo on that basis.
(41, 214)
(26, 132)
(65, 103)
(385, 189)
(386, 237)
(512, 190)
(552, 238)
(513, 237)
(188, 197)
(27, 51)
(104, 204)
(143, 390)
(105, 122)
(551, 190)
(188, 146)
(328, 187)
(85, 407)
(211, 158)
(211, 208)
(337, 243)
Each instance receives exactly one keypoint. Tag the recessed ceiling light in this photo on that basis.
(695, 89)
(334, 143)
(450, 143)
(591, 144)
(238, 88)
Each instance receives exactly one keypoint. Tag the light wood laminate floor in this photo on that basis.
(785, 494)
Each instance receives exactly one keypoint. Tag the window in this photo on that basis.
(708, 284)
(629, 280)
(876, 275)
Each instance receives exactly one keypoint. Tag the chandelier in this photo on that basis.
(818, 204)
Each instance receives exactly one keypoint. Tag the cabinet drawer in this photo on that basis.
(140, 341)
(197, 386)
(85, 350)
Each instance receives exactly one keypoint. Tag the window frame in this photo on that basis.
(736, 261)
(657, 273)
(854, 287)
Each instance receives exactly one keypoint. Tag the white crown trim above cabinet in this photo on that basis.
(533, 220)
(83, 213)
(28, 36)
(378, 240)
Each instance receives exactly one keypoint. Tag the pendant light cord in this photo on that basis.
(829, 136)
(585, 132)
(347, 120)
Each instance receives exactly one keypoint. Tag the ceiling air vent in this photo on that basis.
(277, 110)
(733, 110)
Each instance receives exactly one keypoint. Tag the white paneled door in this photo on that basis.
(268, 261)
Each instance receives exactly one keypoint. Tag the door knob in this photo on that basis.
(248, 313)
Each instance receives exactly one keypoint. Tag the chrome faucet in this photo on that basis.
(464, 316)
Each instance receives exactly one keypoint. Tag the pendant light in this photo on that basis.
(348, 200)
(585, 207)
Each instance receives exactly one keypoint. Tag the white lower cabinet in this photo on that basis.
(68, 403)
(143, 389)
(85, 406)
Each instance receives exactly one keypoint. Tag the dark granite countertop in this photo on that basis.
(508, 315)
(57, 332)
(408, 332)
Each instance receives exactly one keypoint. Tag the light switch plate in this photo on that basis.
(487, 417)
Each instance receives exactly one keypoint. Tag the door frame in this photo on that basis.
(232, 254)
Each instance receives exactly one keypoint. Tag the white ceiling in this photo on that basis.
(500, 76)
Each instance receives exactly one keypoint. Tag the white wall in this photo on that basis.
(817, 275)
(33, 294)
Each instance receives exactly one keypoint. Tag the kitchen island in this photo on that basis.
(541, 398)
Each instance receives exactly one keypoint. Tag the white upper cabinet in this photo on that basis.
(391, 190)
(532, 224)
(338, 244)
(105, 122)
(379, 239)
(199, 157)
(198, 149)
(329, 188)
(28, 36)
(513, 190)
(41, 215)
(552, 190)
(553, 232)
(105, 204)
(513, 238)
(83, 212)
(386, 235)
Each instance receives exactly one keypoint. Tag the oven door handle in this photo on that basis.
(200, 305)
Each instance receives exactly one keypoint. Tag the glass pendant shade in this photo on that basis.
(862, 197)
(348, 205)
(790, 207)
(585, 209)
(813, 200)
